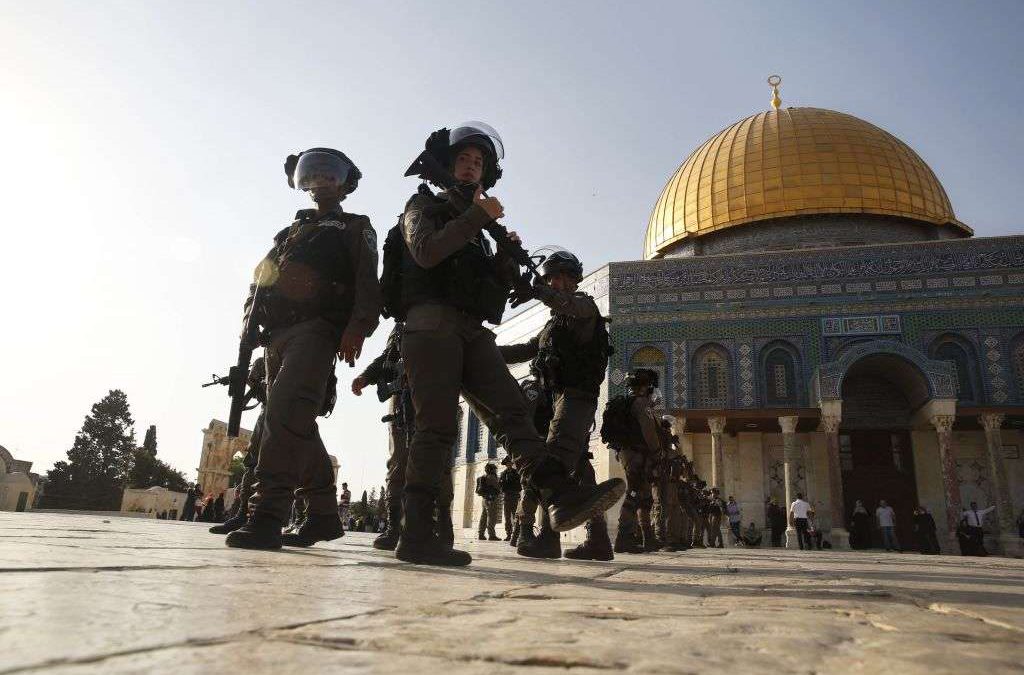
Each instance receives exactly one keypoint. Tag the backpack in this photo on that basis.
(391, 274)
(617, 422)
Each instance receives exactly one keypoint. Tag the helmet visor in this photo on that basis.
(320, 169)
(478, 130)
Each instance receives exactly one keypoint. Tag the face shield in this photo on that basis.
(478, 130)
(317, 169)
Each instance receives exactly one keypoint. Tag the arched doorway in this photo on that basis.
(880, 393)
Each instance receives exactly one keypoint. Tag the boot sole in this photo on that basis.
(417, 560)
(600, 503)
(287, 540)
(237, 544)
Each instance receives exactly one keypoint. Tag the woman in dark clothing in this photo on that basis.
(924, 532)
(188, 511)
(860, 528)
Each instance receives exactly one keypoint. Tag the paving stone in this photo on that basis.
(84, 594)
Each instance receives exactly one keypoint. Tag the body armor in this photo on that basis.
(562, 362)
(311, 272)
(467, 280)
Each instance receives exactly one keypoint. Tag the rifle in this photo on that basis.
(238, 374)
(429, 169)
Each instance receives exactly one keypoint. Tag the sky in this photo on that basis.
(144, 141)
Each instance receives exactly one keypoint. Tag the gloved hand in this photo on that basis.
(522, 293)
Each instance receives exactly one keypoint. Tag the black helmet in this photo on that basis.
(444, 145)
(642, 377)
(317, 166)
(562, 261)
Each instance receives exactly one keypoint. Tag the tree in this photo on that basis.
(149, 445)
(148, 471)
(237, 469)
(99, 460)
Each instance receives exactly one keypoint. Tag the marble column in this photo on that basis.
(717, 426)
(840, 536)
(951, 486)
(1008, 537)
(791, 460)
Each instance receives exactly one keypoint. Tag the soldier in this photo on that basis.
(569, 358)
(488, 488)
(687, 505)
(715, 510)
(383, 372)
(642, 445)
(257, 384)
(386, 372)
(316, 297)
(451, 282)
(667, 512)
(511, 487)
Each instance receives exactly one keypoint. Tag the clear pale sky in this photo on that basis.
(143, 146)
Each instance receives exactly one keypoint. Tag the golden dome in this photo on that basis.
(791, 162)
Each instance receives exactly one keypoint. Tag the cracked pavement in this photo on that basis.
(84, 593)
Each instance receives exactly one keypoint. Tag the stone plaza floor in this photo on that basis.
(83, 594)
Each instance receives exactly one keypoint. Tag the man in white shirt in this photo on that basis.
(887, 524)
(974, 518)
(798, 511)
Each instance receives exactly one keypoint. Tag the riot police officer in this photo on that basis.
(569, 358)
(451, 283)
(317, 298)
(643, 446)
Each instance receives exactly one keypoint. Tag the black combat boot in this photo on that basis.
(388, 539)
(569, 504)
(492, 535)
(316, 527)
(625, 541)
(515, 535)
(445, 529)
(597, 545)
(231, 524)
(547, 544)
(418, 542)
(261, 532)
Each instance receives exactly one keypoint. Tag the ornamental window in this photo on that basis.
(712, 370)
(779, 372)
(956, 354)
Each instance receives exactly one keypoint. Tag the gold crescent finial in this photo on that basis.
(774, 81)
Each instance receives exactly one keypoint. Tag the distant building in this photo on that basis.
(821, 323)
(153, 502)
(215, 460)
(17, 483)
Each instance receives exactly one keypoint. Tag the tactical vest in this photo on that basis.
(312, 279)
(562, 362)
(467, 280)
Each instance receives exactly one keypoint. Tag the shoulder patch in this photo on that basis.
(337, 224)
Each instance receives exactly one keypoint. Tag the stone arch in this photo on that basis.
(922, 378)
(214, 470)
